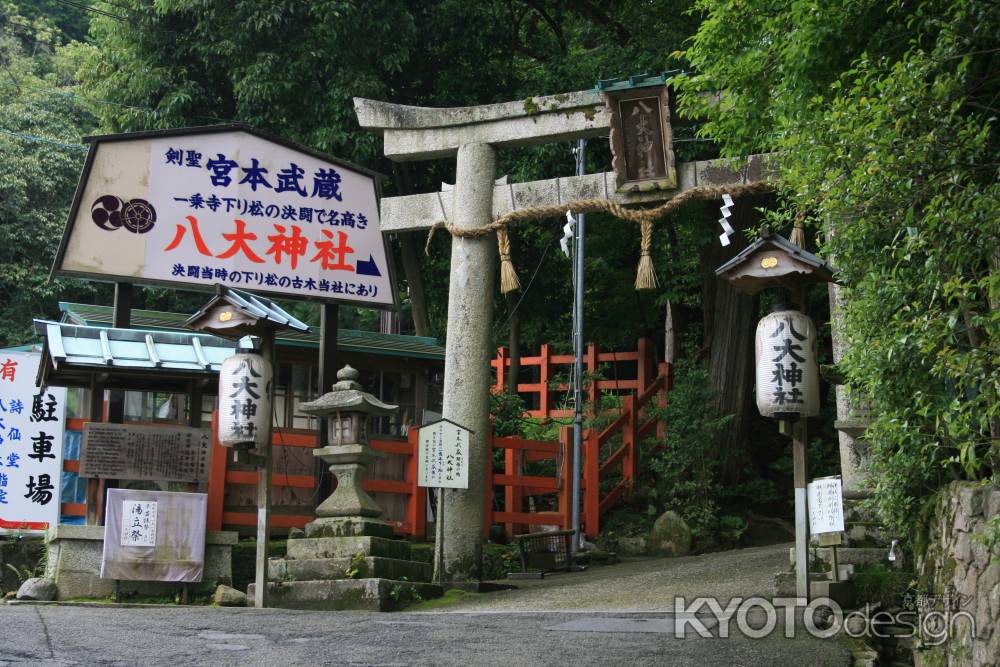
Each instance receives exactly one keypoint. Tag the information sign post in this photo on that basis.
(442, 463)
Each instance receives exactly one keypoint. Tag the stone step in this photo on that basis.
(343, 594)
(337, 568)
(847, 555)
(307, 548)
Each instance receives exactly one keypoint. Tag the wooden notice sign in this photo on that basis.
(165, 454)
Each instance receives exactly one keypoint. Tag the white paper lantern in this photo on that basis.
(787, 374)
(244, 400)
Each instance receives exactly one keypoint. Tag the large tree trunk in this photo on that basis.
(730, 325)
(410, 259)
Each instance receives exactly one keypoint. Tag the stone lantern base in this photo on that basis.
(348, 563)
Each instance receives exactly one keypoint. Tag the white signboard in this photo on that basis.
(31, 445)
(443, 451)
(138, 523)
(229, 207)
(826, 505)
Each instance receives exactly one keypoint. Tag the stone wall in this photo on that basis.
(23, 555)
(957, 563)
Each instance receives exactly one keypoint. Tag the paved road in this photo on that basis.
(101, 635)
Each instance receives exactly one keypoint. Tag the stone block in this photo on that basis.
(632, 546)
(841, 592)
(670, 536)
(346, 547)
(344, 594)
(338, 568)
(226, 596)
(353, 526)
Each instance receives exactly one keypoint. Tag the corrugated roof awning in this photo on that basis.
(73, 356)
(348, 340)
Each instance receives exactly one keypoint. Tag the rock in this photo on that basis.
(670, 536)
(226, 596)
(632, 546)
(38, 588)
(296, 534)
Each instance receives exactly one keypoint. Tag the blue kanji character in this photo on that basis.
(374, 291)
(235, 277)
(310, 284)
(221, 274)
(220, 168)
(333, 221)
(305, 214)
(324, 285)
(12, 460)
(249, 276)
(337, 286)
(14, 434)
(178, 270)
(326, 184)
(174, 156)
(3, 479)
(193, 271)
(206, 273)
(16, 406)
(271, 210)
(193, 159)
(255, 175)
(347, 219)
(196, 200)
(349, 288)
(297, 283)
(288, 213)
(246, 205)
(362, 221)
(231, 203)
(256, 208)
(284, 281)
(320, 215)
(213, 203)
(271, 280)
(362, 290)
(183, 199)
(288, 180)
(3, 497)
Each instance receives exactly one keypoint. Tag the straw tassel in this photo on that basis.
(508, 276)
(646, 278)
(798, 236)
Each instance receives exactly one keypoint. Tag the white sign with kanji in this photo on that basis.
(230, 206)
(443, 455)
(826, 505)
(138, 523)
(31, 445)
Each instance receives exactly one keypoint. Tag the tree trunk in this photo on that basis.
(730, 326)
(410, 259)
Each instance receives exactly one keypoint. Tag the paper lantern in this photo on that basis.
(787, 374)
(244, 400)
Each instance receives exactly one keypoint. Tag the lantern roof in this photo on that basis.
(233, 313)
(347, 395)
(774, 261)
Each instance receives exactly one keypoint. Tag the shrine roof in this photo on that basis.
(348, 340)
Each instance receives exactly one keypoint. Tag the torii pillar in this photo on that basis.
(473, 135)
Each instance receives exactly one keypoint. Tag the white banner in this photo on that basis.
(228, 207)
(826, 505)
(31, 445)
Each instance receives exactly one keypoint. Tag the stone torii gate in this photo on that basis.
(473, 135)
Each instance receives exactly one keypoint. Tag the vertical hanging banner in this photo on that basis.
(826, 505)
(32, 423)
(229, 205)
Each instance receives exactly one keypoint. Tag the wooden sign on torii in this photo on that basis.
(473, 135)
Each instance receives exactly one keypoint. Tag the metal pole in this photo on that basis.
(264, 490)
(581, 145)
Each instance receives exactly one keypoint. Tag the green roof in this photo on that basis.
(349, 340)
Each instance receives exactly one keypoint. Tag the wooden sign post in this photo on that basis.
(442, 463)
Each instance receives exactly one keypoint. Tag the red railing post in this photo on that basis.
(630, 434)
(593, 392)
(501, 365)
(216, 478)
(416, 512)
(543, 372)
(643, 363)
(592, 484)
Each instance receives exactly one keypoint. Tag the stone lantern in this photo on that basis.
(348, 410)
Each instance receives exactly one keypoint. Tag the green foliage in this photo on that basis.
(884, 118)
(358, 569)
(878, 583)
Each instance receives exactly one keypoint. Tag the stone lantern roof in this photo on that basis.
(347, 395)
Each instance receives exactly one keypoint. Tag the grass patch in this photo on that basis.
(454, 596)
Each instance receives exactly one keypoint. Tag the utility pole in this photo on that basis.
(577, 541)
